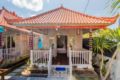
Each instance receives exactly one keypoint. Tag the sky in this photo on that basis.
(27, 8)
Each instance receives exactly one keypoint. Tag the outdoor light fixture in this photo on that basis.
(58, 34)
(57, 28)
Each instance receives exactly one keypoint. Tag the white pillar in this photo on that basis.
(14, 39)
(70, 64)
(50, 61)
(31, 57)
(90, 60)
(21, 44)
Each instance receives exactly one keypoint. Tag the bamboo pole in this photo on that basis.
(90, 40)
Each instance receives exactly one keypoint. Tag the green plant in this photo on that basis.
(114, 36)
(28, 62)
(115, 5)
(100, 44)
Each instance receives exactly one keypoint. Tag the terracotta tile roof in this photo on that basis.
(65, 17)
(110, 19)
(2, 21)
(9, 16)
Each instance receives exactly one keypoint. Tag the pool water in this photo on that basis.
(60, 69)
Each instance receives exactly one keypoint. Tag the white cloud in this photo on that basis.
(34, 5)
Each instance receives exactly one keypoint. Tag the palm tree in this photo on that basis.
(116, 5)
(99, 45)
(114, 35)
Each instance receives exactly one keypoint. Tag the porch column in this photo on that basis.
(26, 43)
(90, 40)
(21, 44)
(10, 44)
(31, 41)
(15, 42)
(10, 40)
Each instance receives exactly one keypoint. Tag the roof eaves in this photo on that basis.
(11, 13)
(62, 24)
(93, 17)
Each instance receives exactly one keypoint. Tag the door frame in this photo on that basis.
(66, 42)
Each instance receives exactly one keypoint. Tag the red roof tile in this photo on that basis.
(65, 17)
(2, 21)
(9, 16)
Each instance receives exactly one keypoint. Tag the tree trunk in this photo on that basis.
(101, 65)
(110, 64)
(101, 75)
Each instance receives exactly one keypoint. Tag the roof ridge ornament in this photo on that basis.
(3, 7)
(61, 5)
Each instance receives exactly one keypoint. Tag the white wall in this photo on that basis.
(73, 38)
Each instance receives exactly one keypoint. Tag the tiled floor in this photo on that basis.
(37, 78)
(16, 75)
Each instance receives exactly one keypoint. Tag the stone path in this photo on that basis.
(36, 78)
(16, 75)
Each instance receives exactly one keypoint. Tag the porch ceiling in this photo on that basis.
(45, 31)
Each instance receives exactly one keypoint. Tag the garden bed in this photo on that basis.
(33, 71)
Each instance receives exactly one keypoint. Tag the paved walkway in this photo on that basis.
(16, 75)
(36, 78)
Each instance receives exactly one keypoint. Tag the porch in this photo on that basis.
(59, 64)
(12, 47)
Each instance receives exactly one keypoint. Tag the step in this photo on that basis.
(60, 70)
(36, 78)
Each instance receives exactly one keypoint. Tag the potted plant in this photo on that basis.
(26, 71)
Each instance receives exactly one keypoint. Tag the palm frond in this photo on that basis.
(115, 6)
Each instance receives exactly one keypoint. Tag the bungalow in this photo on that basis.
(59, 45)
(12, 43)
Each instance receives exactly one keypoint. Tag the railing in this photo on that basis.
(70, 63)
(50, 62)
(81, 58)
(41, 58)
(54, 52)
(9, 54)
